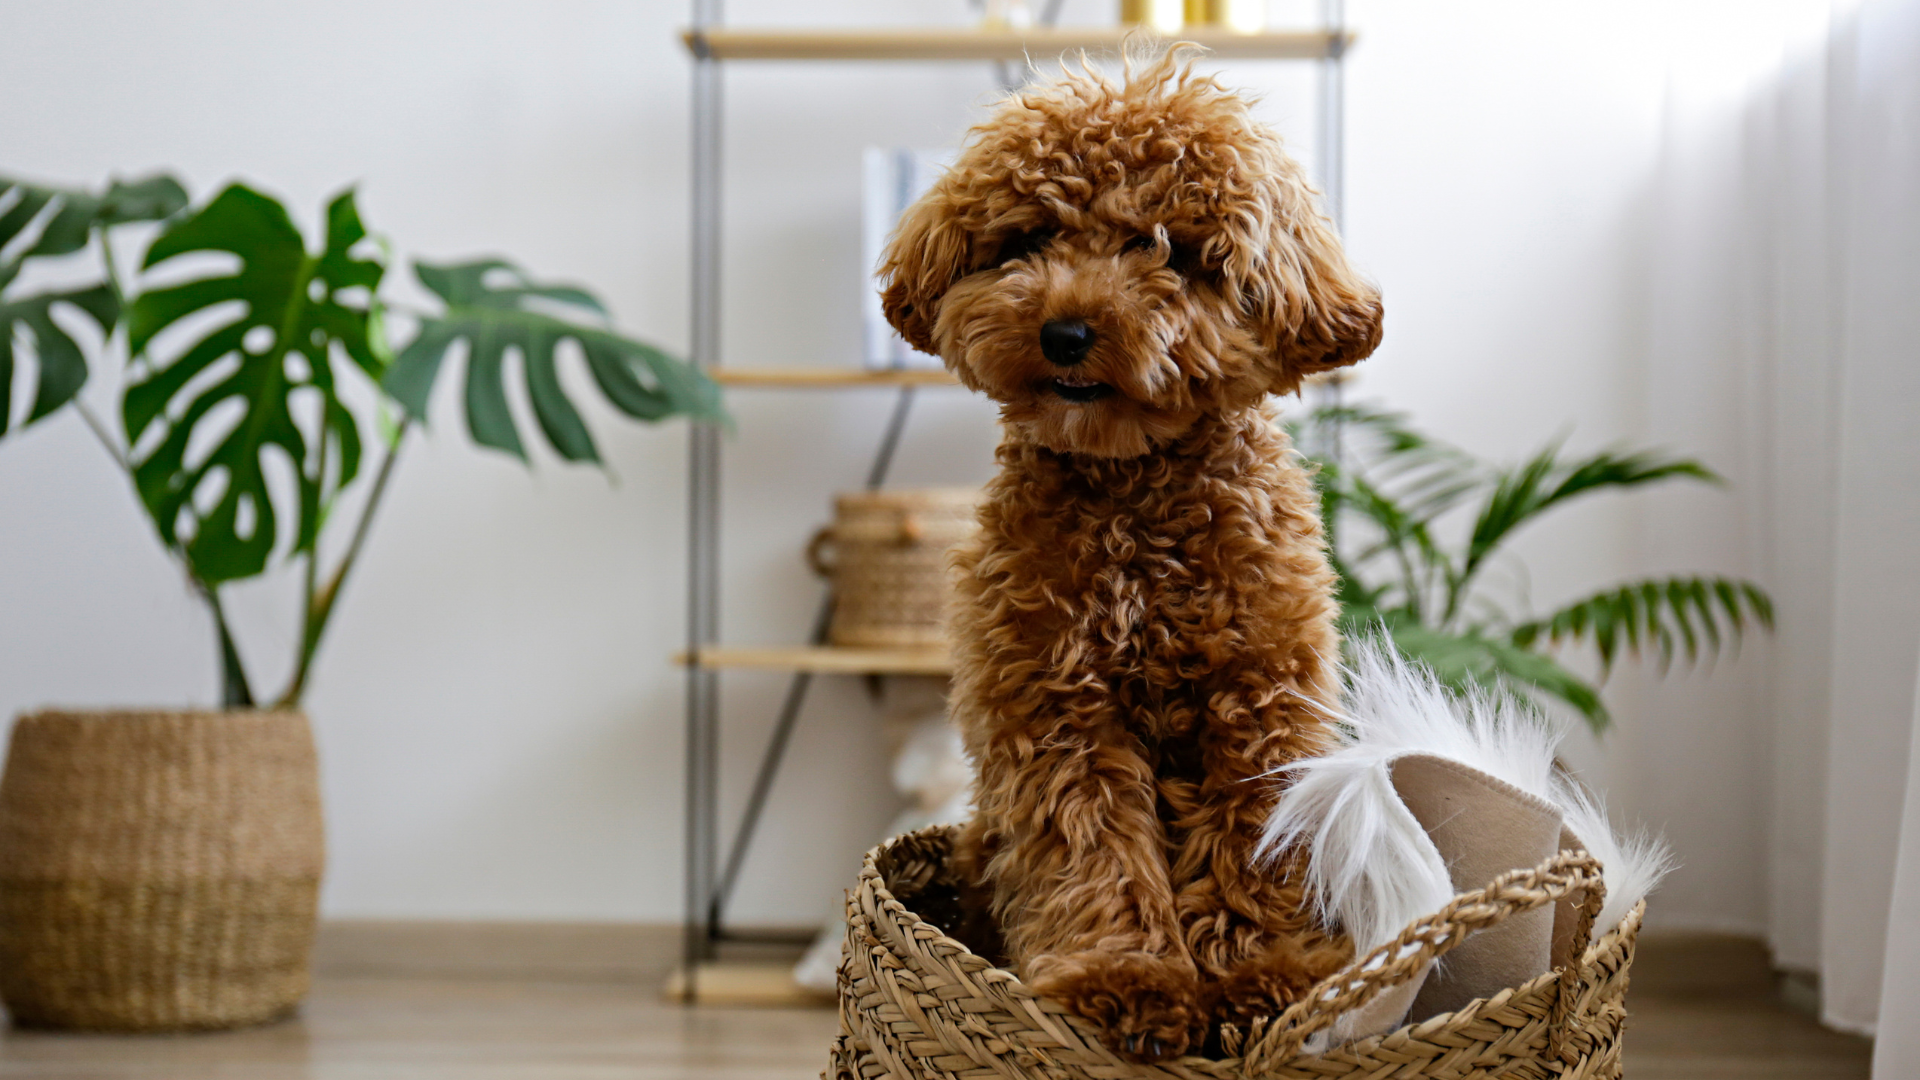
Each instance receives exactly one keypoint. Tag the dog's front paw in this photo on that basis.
(1265, 985)
(1147, 1005)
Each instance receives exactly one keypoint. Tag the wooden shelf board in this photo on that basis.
(828, 377)
(827, 659)
(724, 982)
(727, 43)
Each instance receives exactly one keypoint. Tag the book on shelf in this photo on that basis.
(891, 179)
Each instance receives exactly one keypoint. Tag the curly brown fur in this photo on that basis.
(1146, 619)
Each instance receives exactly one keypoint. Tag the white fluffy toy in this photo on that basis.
(1427, 794)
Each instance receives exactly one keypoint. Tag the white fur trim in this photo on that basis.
(1372, 868)
(1633, 862)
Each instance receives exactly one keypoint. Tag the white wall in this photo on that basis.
(500, 728)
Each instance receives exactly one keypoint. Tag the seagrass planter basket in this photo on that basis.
(917, 1005)
(159, 871)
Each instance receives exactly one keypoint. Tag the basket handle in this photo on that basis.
(817, 549)
(1434, 936)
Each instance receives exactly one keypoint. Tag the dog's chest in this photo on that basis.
(1149, 597)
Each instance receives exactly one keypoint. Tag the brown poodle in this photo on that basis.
(1145, 627)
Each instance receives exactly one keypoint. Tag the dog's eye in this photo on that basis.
(1186, 260)
(1139, 243)
(1022, 245)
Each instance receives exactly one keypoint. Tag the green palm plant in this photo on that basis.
(237, 426)
(1396, 504)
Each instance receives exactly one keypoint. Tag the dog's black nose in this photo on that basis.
(1066, 341)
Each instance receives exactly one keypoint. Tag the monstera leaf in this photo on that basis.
(200, 468)
(495, 308)
(44, 222)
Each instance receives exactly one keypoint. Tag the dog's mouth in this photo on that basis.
(1078, 389)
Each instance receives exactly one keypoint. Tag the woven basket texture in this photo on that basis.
(889, 564)
(159, 871)
(917, 1005)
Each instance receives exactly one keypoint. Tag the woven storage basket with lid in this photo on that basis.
(158, 871)
(886, 552)
(917, 1005)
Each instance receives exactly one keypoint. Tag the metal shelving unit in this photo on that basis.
(710, 877)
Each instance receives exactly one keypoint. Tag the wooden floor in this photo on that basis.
(436, 1002)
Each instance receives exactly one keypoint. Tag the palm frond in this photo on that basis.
(1544, 481)
(1471, 659)
(1404, 536)
(1390, 427)
(1350, 589)
(1407, 482)
(1392, 448)
(1393, 485)
(1691, 617)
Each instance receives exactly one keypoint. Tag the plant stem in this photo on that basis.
(320, 602)
(106, 440)
(234, 691)
(1457, 592)
(309, 634)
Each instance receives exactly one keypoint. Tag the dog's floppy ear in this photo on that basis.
(1312, 311)
(927, 253)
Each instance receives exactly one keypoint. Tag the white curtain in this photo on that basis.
(1784, 323)
(1896, 1051)
(1877, 588)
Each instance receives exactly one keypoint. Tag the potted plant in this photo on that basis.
(159, 869)
(1385, 488)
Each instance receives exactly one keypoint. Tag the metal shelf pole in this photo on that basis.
(1333, 117)
(703, 525)
(1332, 136)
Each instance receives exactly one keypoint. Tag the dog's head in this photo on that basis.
(1111, 262)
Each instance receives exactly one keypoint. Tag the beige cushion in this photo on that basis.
(1483, 827)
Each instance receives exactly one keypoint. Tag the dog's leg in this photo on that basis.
(1245, 922)
(1068, 840)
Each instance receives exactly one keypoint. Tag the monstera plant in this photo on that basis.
(241, 425)
(260, 386)
(1415, 525)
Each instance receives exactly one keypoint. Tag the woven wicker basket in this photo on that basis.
(917, 1005)
(886, 552)
(158, 871)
